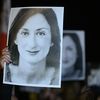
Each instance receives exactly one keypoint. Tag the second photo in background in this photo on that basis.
(73, 55)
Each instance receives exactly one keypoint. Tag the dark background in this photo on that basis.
(78, 15)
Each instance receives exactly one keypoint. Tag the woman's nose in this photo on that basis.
(32, 42)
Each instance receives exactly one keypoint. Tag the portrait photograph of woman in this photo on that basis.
(33, 52)
(73, 55)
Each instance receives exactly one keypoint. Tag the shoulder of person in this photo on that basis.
(55, 79)
(53, 75)
(10, 69)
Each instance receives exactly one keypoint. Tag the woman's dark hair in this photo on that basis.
(54, 53)
(79, 61)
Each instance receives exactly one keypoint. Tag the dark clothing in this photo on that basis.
(5, 90)
(96, 90)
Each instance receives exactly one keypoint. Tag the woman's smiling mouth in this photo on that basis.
(33, 52)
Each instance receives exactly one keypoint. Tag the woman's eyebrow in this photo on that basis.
(25, 29)
(41, 29)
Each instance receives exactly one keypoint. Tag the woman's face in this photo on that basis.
(69, 55)
(34, 39)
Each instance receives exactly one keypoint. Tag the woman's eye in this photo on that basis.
(40, 33)
(25, 33)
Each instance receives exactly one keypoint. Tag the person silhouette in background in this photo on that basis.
(5, 90)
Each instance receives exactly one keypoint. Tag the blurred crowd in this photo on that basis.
(88, 89)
